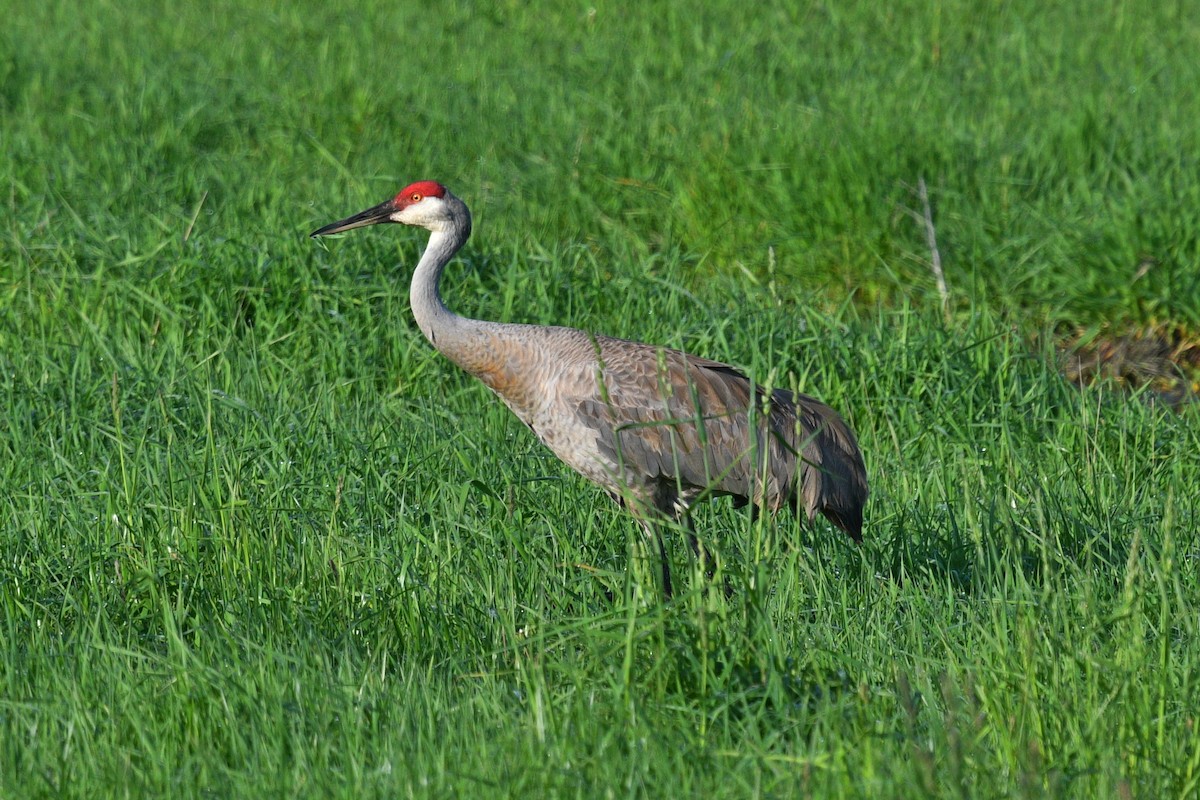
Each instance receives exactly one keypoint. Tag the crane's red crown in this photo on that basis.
(416, 192)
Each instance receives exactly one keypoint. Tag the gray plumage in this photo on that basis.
(657, 428)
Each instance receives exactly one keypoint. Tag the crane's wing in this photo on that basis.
(669, 418)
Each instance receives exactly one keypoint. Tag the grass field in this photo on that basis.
(259, 539)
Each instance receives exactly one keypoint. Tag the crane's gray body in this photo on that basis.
(657, 428)
(662, 428)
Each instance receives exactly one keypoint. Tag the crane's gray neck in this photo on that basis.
(445, 330)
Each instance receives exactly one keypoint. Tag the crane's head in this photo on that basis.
(425, 204)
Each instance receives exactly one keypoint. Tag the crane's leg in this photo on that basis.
(651, 520)
(708, 562)
(698, 549)
(654, 534)
(666, 564)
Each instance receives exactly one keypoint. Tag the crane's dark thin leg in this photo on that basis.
(698, 549)
(654, 534)
(652, 526)
(706, 559)
(666, 565)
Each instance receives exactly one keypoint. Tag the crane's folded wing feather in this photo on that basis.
(666, 417)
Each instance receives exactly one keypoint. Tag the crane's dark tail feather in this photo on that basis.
(849, 520)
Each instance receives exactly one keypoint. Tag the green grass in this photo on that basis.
(259, 539)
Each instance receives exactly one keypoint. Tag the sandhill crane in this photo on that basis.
(657, 428)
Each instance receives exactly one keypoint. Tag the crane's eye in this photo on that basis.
(415, 197)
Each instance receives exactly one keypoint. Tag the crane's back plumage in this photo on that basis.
(666, 429)
(657, 428)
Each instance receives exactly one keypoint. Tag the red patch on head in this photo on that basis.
(416, 192)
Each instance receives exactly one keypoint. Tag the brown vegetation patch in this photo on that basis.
(1164, 361)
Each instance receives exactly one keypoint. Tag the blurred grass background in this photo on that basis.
(258, 537)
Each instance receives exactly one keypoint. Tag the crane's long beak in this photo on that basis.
(372, 216)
